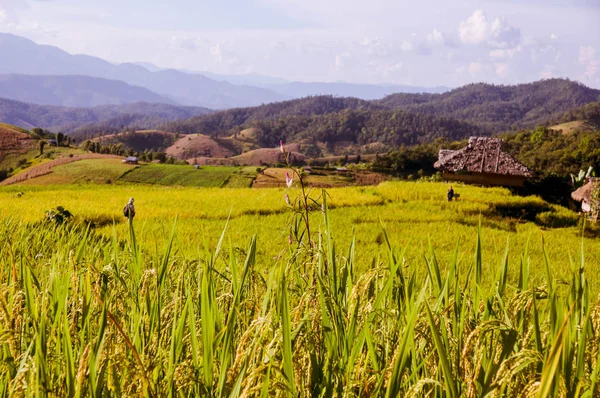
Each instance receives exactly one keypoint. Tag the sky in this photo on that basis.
(418, 42)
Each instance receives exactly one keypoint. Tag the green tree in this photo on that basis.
(38, 132)
(42, 145)
(161, 157)
(86, 145)
(59, 139)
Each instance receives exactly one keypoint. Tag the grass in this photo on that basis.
(32, 158)
(430, 305)
(205, 177)
(95, 171)
(274, 177)
(242, 178)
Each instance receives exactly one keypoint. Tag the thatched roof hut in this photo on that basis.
(484, 162)
(584, 194)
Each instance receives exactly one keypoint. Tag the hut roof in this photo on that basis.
(585, 192)
(482, 155)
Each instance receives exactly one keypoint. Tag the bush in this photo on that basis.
(58, 215)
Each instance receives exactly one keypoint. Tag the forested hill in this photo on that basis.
(588, 113)
(500, 108)
(94, 120)
(491, 108)
(357, 126)
(224, 121)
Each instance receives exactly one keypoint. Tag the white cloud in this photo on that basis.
(8, 10)
(475, 29)
(475, 68)
(224, 53)
(406, 45)
(502, 70)
(587, 55)
(478, 30)
(436, 39)
(340, 60)
(591, 62)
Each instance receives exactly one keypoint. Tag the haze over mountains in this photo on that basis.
(105, 118)
(23, 56)
(75, 91)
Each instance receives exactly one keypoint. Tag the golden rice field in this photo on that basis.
(413, 214)
(400, 293)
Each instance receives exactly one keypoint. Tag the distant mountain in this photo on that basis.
(75, 91)
(306, 89)
(23, 56)
(362, 91)
(500, 108)
(91, 121)
(252, 79)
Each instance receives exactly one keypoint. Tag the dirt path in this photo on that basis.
(46, 168)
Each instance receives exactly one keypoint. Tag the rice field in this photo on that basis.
(187, 176)
(223, 292)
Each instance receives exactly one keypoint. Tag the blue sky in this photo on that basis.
(425, 42)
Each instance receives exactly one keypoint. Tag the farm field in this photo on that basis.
(412, 213)
(95, 171)
(205, 177)
(163, 308)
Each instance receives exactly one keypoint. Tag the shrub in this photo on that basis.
(59, 215)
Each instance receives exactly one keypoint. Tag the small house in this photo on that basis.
(341, 170)
(482, 162)
(585, 195)
(130, 160)
(307, 169)
(53, 142)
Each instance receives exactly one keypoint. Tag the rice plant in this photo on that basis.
(90, 314)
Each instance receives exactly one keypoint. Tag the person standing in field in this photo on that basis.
(129, 209)
(450, 193)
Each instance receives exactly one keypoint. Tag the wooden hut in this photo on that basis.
(130, 160)
(585, 195)
(482, 162)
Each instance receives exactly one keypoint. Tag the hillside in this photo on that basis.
(197, 145)
(563, 148)
(75, 91)
(487, 108)
(328, 120)
(223, 121)
(14, 142)
(91, 121)
(588, 114)
(500, 108)
(139, 141)
(21, 55)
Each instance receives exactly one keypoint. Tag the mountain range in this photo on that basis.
(24, 57)
(105, 118)
(400, 119)
(75, 91)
